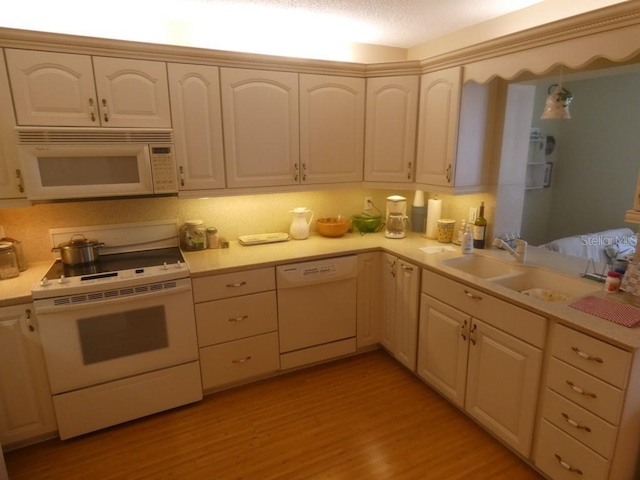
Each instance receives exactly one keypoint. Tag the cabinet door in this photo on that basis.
(443, 348)
(26, 408)
(390, 137)
(11, 185)
(438, 126)
(261, 127)
(502, 384)
(369, 311)
(197, 125)
(331, 128)
(389, 287)
(132, 93)
(52, 88)
(407, 300)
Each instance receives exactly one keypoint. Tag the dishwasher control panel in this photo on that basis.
(331, 269)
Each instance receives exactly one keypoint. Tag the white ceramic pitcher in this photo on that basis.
(299, 229)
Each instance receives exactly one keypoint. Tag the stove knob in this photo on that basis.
(45, 282)
(179, 264)
(63, 279)
(165, 267)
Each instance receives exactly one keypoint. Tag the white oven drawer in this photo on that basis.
(587, 391)
(234, 318)
(598, 358)
(233, 284)
(235, 361)
(558, 454)
(590, 429)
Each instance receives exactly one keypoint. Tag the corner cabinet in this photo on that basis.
(26, 407)
(484, 355)
(401, 287)
(197, 125)
(369, 296)
(331, 128)
(62, 89)
(390, 136)
(452, 133)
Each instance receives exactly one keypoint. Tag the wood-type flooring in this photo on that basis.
(362, 417)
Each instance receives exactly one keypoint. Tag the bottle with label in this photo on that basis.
(467, 240)
(479, 229)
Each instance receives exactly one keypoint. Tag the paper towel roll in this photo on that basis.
(434, 211)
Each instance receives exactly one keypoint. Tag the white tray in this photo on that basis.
(260, 238)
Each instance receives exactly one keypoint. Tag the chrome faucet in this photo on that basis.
(520, 252)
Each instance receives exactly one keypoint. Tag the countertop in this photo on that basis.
(238, 257)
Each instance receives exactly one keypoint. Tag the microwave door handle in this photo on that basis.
(97, 303)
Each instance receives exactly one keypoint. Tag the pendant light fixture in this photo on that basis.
(557, 103)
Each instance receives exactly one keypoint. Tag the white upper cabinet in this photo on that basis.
(451, 132)
(60, 89)
(261, 128)
(11, 185)
(390, 137)
(331, 128)
(197, 125)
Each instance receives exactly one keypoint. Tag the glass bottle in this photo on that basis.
(479, 229)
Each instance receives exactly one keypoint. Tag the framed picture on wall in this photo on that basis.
(548, 168)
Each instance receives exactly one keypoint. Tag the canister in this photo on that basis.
(8, 261)
(445, 230)
(193, 235)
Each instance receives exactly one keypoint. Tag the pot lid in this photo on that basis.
(78, 240)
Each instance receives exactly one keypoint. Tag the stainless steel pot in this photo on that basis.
(78, 250)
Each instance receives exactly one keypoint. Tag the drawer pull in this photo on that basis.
(579, 390)
(238, 319)
(586, 356)
(575, 424)
(241, 360)
(472, 295)
(565, 465)
(236, 285)
(404, 267)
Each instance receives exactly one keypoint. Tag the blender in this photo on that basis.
(396, 217)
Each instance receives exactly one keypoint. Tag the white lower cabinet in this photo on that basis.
(369, 308)
(26, 407)
(237, 321)
(483, 354)
(401, 295)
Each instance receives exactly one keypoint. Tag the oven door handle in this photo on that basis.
(40, 309)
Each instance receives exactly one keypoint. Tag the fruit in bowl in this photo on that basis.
(332, 226)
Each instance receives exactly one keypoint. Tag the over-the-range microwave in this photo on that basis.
(67, 163)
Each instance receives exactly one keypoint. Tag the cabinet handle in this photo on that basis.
(581, 391)
(565, 465)
(586, 356)
(463, 329)
(449, 173)
(409, 170)
(472, 295)
(472, 333)
(92, 110)
(241, 360)
(29, 320)
(404, 267)
(19, 181)
(181, 176)
(105, 110)
(238, 319)
(575, 424)
(236, 285)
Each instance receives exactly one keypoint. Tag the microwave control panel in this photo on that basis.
(163, 169)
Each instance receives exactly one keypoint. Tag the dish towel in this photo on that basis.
(609, 310)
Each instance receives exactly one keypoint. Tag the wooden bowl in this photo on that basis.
(332, 227)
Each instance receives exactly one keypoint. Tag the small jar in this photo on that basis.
(212, 237)
(193, 236)
(8, 261)
(612, 283)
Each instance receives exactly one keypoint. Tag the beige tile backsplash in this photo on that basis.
(232, 215)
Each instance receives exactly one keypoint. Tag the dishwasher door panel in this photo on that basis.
(315, 314)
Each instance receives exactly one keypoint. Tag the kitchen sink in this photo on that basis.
(483, 267)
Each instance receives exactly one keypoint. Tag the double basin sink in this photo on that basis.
(534, 281)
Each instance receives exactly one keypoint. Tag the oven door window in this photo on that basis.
(116, 335)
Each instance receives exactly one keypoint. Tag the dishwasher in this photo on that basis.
(316, 310)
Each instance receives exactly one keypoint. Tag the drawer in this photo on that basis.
(591, 430)
(234, 318)
(596, 357)
(557, 452)
(238, 360)
(234, 284)
(587, 391)
(521, 323)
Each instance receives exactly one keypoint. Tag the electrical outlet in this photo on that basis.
(368, 203)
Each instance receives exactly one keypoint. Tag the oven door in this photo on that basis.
(84, 171)
(98, 341)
